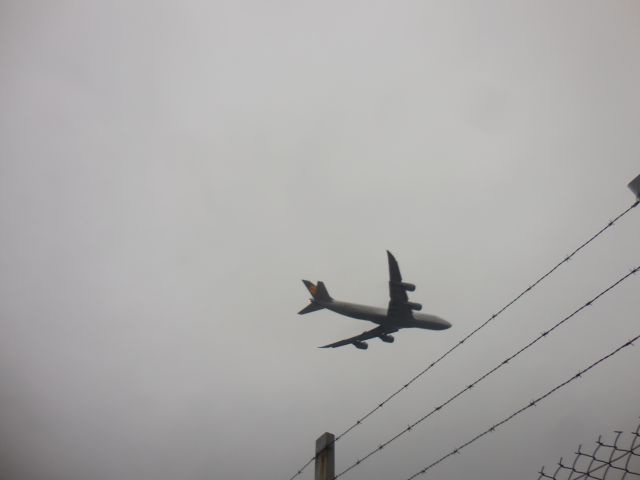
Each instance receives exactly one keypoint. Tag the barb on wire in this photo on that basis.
(488, 373)
(406, 385)
(600, 465)
(533, 403)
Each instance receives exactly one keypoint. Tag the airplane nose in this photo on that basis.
(444, 323)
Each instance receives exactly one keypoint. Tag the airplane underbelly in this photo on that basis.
(430, 322)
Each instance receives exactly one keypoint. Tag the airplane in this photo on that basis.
(399, 314)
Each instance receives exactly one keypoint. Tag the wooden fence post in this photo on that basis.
(325, 457)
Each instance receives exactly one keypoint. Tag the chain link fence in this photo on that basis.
(617, 459)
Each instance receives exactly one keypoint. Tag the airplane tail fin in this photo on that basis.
(319, 294)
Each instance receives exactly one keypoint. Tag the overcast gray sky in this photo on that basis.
(170, 171)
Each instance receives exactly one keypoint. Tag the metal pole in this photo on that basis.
(325, 457)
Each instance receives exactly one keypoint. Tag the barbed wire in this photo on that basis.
(618, 461)
(472, 333)
(531, 404)
(488, 373)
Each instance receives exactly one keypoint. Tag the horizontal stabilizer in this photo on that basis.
(312, 307)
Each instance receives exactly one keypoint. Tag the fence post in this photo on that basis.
(325, 457)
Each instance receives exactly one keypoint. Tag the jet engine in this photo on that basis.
(409, 287)
(361, 345)
(414, 306)
(387, 338)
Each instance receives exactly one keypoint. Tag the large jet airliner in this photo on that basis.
(399, 314)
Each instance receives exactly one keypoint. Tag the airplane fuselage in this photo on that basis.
(381, 316)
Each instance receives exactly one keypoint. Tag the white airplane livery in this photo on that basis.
(400, 313)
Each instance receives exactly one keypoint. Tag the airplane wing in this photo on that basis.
(399, 304)
(376, 332)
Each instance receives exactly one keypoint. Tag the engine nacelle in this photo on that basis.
(387, 338)
(361, 345)
(409, 287)
(414, 306)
